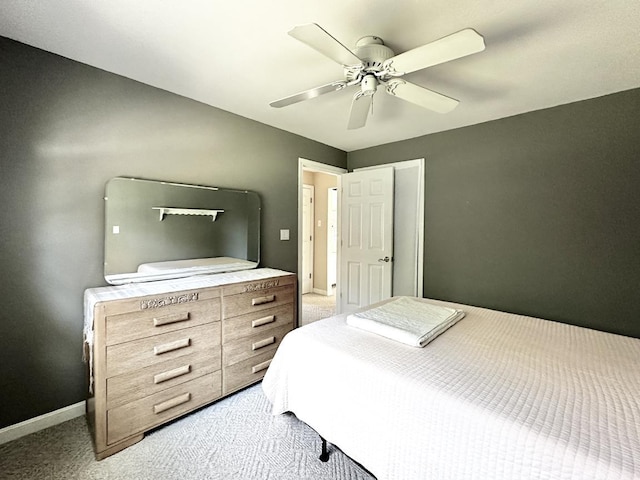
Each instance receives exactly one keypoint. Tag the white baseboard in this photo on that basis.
(322, 292)
(13, 432)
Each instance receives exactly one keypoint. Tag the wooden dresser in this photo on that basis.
(159, 350)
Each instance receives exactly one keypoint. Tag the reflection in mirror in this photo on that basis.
(158, 230)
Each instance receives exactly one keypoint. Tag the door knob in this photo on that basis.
(385, 259)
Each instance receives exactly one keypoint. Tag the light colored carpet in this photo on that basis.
(315, 307)
(235, 438)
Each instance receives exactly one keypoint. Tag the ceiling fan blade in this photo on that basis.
(308, 94)
(320, 40)
(420, 96)
(360, 107)
(456, 45)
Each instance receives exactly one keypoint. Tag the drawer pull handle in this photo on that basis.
(173, 318)
(261, 366)
(171, 346)
(263, 321)
(261, 300)
(263, 343)
(174, 402)
(168, 375)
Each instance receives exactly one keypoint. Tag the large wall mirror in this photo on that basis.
(157, 230)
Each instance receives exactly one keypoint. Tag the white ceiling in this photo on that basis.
(236, 54)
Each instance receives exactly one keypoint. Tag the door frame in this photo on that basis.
(305, 164)
(310, 165)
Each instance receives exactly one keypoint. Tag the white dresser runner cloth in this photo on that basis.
(408, 320)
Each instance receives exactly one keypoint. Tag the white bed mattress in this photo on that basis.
(497, 396)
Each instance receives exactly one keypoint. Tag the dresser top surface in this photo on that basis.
(93, 296)
(132, 290)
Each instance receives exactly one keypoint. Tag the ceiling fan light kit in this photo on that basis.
(372, 63)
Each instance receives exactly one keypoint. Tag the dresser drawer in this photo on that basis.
(130, 356)
(254, 322)
(257, 344)
(242, 303)
(160, 376)
(148, 412)
(260, 285)
(152, 321)
(246, 372)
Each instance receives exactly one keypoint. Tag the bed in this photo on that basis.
(496, 396)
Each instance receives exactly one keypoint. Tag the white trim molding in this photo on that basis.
(325, 293)
(13, 432)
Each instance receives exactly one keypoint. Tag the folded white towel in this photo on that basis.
(409, 320)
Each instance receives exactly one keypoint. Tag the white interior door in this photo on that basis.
(366, 232)
(408, 226)
(307, 238)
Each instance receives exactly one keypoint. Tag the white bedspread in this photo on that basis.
(495, 397)
(410, 320)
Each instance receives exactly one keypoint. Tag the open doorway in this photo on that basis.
(408, 257)
(318, 232)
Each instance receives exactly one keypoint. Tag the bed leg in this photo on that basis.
(324, 455)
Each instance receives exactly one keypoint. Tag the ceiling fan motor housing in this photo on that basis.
(373, 52)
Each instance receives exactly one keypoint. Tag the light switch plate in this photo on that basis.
(284, 234)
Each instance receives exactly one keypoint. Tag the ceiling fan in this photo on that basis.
(372, 63)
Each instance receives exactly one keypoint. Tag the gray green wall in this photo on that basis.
(65, 130)
(536, 214)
